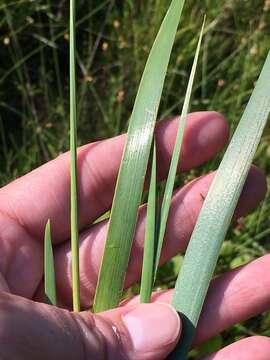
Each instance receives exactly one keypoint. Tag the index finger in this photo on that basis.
(44, 193)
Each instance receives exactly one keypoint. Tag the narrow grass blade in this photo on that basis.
(49, 273)
(73, 163)
(134, 163)
(32, 53)
(150, 235)
(166, 202)
(215, 217)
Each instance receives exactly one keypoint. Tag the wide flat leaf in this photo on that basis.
(215, 217)
(155, 230)
(132, 172)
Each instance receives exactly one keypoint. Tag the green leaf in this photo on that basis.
(241, 260)
(73, 163)
(209, 347)
(215, 217)
(131, 176)
(150, 235)
(49, 273)
(176, 155)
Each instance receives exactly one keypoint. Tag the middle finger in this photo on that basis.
(185, 208)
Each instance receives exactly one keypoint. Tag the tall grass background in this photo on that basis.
(114, 39)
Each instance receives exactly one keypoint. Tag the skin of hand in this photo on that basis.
(32, 330)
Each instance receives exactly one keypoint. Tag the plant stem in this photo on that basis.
(73, 163)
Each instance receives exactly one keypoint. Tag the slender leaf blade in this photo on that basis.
(150, 235)
(176, 155)
(131, 176)
(73, 163)
(215, 217)
(49, 272)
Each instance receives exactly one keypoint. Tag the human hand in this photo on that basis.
(32, 330)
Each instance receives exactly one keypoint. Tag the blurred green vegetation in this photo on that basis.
(114, 38)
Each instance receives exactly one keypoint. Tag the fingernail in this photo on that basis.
(217, 130)
(152, 326)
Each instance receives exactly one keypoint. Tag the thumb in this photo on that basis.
(31, 330)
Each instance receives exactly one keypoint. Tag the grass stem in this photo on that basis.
(73, 163)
